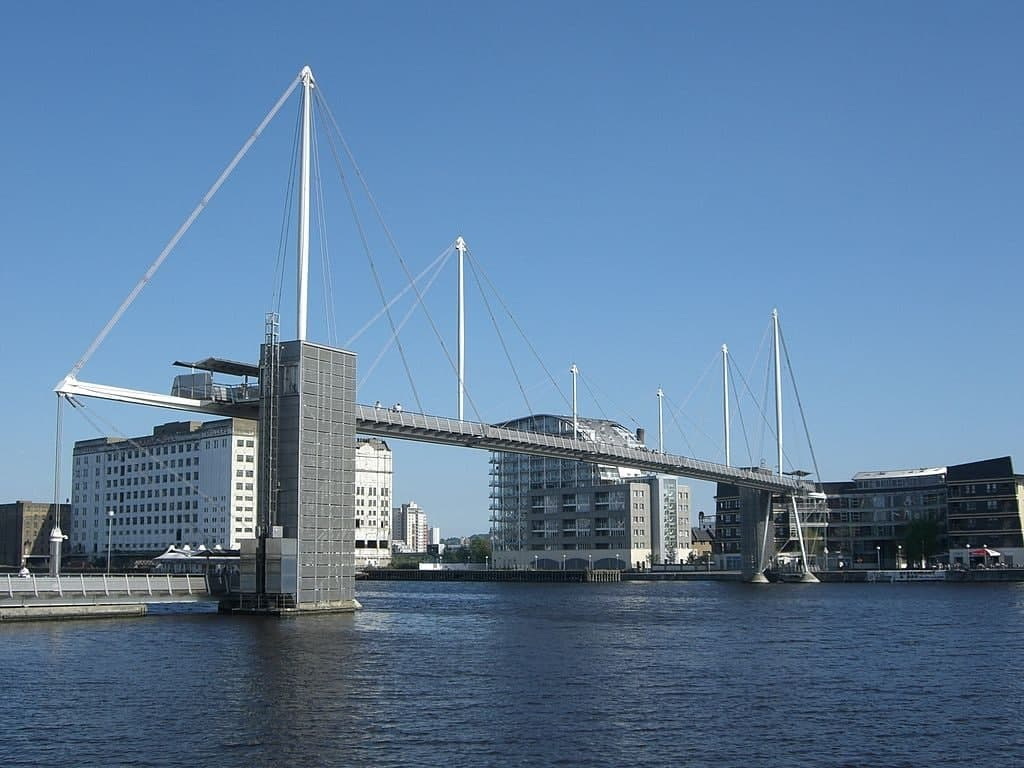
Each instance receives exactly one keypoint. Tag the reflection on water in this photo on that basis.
(535, 674)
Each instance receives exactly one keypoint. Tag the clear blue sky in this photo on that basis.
(644, 182)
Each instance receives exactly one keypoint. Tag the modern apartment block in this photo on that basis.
(670, 519)
(409, 528)
(188, 483)
(373, 502)
(986, 512)
(547, 511)
(869, 518)
(601, 526)
(968, 513)
(25, 528)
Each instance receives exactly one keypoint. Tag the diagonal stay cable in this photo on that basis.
(672, 414)
(689, 396)
(800, 406)
(442, 258)
(764, 416)
(401, 324)
(144, 280)
(519, 328)
(387, 232)
(330, 316)
(739, 410)
(501, 338)
(286, 217)
(617, 407)
(369, 255)
(80, 407)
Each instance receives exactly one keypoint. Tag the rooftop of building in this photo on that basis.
(987, 469)
(598, 430)
(702, 535)
(887, 474)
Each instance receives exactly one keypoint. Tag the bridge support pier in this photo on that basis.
(304, 559)
(755, 511)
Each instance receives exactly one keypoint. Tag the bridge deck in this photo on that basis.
(102, 589)
(385, 422)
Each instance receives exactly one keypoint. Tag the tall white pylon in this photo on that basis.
(725, 400)
(575, 419)
(778, 389)
(303, 256)
(460, 246)
(661, 422)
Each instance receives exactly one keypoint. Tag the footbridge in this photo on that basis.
(382, 421)
(386, 422)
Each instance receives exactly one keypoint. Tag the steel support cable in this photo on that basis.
(679, 426)
(144, 280)
(330, 317)
(80, 407)
(401, 324)
(765, 424)
(753, 399)
(369, 254)
(739, 412)
(387, 232)
(286, 217)
(526, 338)
(442, 258)
(800, 406)
(497, 330)
(678, 409)
(689, 396)
(619, 408)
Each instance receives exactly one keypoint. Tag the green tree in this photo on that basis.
(479, 549)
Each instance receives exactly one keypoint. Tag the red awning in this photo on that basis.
(984, 552)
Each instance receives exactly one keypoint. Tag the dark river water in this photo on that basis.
(453, 674)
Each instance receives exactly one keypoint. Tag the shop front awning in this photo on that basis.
(984, 552)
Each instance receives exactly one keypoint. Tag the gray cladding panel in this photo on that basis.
(316, 450)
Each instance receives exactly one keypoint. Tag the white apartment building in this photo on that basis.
(188, 483)
(670, 519)
(409, 528)
(373, 502)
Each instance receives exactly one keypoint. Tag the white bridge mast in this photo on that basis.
(303, 258)
(460, 246)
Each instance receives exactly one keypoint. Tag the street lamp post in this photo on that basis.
(590, 562)
(899, 556)
(878, 556)
(535, 562)
(487, 563)
(563, 561)
(110, 525)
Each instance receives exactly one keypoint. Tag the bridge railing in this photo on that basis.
(145, 587)
(394, 421)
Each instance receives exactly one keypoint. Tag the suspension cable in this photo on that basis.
(519, 328)
(144, 280)
(80, 407)
(366, 249)
(800, 406)
(387, 232)
(672, 415)
(501, 338)
(739, 411)
(393, 339)
(442, 258)
(286, 217)
(330, 317)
